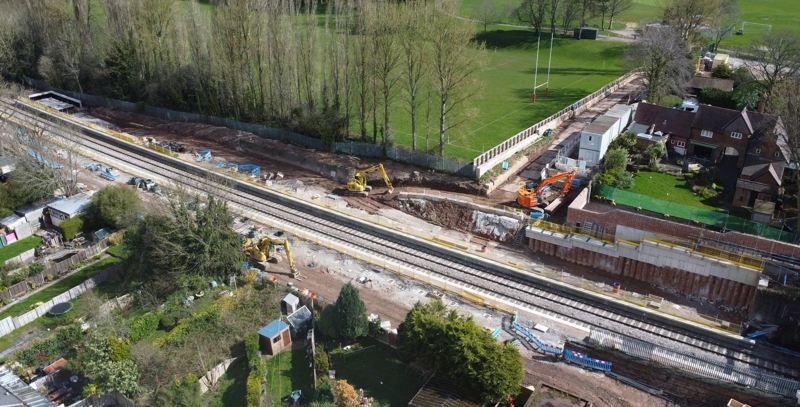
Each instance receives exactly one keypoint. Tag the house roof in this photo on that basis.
(755, 166)
(767, 127)
(299, 317)
(714, 118)
(273, 329)
(11, 221)
(666, 120)
(756, 186)
(9, 382)
(72, 205)
(699, 82)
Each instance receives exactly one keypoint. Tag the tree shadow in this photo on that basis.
(236, 393)
(518, 39)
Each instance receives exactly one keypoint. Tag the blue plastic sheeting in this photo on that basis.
(222, 164)
(204, 155)
(584, 359)
(497, 331)
(544, 346)
(251, 169)
(106, 174)
(233, 165)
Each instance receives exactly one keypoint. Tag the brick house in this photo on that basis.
(653, 123)
(767, 157)
(717, 132)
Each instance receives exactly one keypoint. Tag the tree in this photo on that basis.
(586, 10)
(663, 60)
(617, 7)
(569, 12)
(387, 58)
(723, 71)
(321, 362)
(774, 57)
(532, 13)
(486, 13)
(654, 152)
(625, 141)
(554, 7)
(624, 180)
(615, 161)
(345, 394)
(109, 375)
(351, 313)
(115, 206)
(459, 349)
(787, 105)
(687, 17)
(326, 321)
(602, 7)
(724, 22)
(456, 60)
(416, 51)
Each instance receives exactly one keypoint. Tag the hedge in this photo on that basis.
(251, 347)
(253, 390)
(71, 227)
(144, 325)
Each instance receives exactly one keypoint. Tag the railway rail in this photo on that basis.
(411, 252)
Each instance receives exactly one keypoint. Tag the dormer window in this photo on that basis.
(706, 133)
(736, 135)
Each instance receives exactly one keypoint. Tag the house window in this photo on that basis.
(706, 133)
(673, 141)
(736, 135)
(681, 144)
(777, 154)
(758, 151)
(590, 138)
(276, 339)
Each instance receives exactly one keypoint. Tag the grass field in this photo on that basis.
(232, 390)
(288, 371)
(380, 373)
(504, 102)
(17, 248)
(668, 188)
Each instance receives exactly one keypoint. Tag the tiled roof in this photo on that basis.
(666, 120)
(756, 186)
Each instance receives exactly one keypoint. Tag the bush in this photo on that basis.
(253, 390)
(115, 206)
(70, 227)
(605, 178)
(144, 325)
(688, 175)
(5, 300)
(722, 71)
(251, 347)
(717, 97)
(248, 276)
(172, 317)
(321, 362)
(116, 238)
(119, 349)
(35, 269)
(624, 181)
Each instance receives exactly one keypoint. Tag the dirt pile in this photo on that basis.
(453, 215)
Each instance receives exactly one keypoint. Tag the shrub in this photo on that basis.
(251, 347)
(71, 227)
(144, 325)
(253, 390)
(605, 178)
(723, 71)
(49, 277)
(172, 317)
(688, 175)
(116, 238)
(624, 181)
(5, 300)
(119, 349)
(717, 97)
(248, 276)
(321, 362)
(35, 269)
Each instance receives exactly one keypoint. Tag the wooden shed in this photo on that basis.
(274, 337)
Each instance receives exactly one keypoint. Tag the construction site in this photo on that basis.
(534, 221)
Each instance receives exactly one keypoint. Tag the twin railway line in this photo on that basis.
(411, 253)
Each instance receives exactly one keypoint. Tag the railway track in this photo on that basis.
(422, 259)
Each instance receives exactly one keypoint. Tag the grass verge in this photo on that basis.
(17, 248)
(288, 371)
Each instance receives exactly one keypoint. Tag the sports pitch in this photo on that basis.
(504, 101)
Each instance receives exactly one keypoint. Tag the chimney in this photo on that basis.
(651, 130)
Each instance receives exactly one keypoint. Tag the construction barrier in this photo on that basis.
(545, 347)
(585, 360)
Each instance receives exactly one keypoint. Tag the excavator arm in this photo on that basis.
(529, 197)
(358, 183)
(568, 176)
(265, 249)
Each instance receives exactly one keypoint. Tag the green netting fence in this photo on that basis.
(699, 215)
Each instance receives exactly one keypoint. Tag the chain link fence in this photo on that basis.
(697, 215)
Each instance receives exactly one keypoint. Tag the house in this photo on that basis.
(14, 392)
(718, 132)
(767, 157)
(67, 208)
(597, 135)
(274, 337)
(658, 124)
(35, 215)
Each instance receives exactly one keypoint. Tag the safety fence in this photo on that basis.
(697, 215)
(584, 359)
(485, 161)
(557, 350)
(729, 373)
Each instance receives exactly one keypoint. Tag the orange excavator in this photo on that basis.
(529, 196)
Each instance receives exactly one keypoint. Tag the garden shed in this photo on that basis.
(274, 337)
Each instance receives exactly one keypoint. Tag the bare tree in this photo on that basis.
(387, 58)
(602, 8)
(617, 7)
(486, 13)
(415, 51)
(554, 7)
(786, 104)
(569, 12)
(773, 58)
(663, 60)
(586, 10)
(532, 13)
(688, 16)
(723, 23)
(456, 60)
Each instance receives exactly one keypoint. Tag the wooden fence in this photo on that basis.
(57, 270)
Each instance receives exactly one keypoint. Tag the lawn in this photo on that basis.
(232, 387)
(380, 373)
(57, 288)
(17, 248)
(780, 14)
(504, 101)
(288, 371)
(668, 188)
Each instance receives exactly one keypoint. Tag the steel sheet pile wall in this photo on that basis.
(693, 364)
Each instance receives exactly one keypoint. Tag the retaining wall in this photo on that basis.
(22, 258)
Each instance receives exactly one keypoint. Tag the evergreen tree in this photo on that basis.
(351, 313)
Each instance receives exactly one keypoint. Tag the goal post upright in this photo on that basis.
(536, 68)
(549, 62)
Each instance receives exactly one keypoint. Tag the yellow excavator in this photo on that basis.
(357, 186)
(265, 249)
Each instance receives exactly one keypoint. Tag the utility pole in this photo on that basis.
(313, 345)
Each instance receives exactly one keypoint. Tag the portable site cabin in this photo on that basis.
(597, 135)
(67, 208)
(585, 33)
(274, 337)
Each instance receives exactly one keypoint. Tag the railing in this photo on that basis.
(572, 230)
(557, 350)
(584, 359)
(744, 376)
